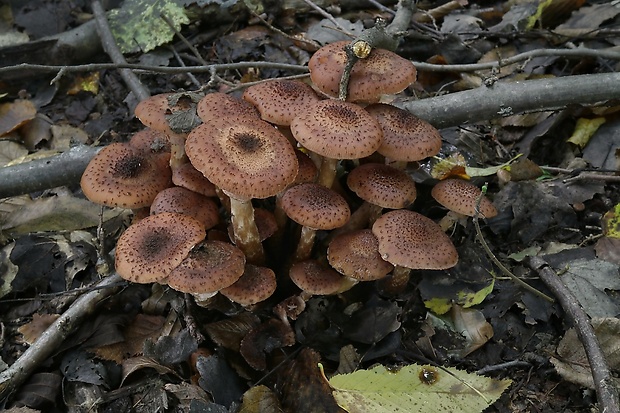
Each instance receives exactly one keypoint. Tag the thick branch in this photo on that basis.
(509, 98)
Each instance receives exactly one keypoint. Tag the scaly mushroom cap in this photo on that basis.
(461, 196)
(314, 278)
(220, 105)
(152, 112)
(315, 206)
(308, 171)
(337, 130)
(356, 255)
(247, 158)
(411, 240)
(151, 141)
(382, 185)
(151, 248)
(191, 178)
(186, 202)
(208, 268)
(279, 101)
(405, 136)
(382, 72)
(123, 176)
(255, 285)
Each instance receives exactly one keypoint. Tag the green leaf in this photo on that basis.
(138, 25)
(415, 388)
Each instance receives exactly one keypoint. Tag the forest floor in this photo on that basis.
(552, 174)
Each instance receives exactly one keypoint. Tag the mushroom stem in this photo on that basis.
(245, 230)
(306, 242)
(402, 165)
(327, 172)
(177, 150)
(395, 283)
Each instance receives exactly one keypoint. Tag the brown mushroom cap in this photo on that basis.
(152, 247)
(279, 101)
(356, 254)
(382, 185)
(208, 268)
(308, 171)
(315, 278)
(152, 112)
(191, 178)
(247, 158)
(219, 105)
(184, 201)
(461, 196)
(411, 240)
(337, 129)
(382, 72)
(315, 206)
(255, 285)
(405, 136)
(120, 175)
(151, 141)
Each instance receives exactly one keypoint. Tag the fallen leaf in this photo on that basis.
(15, 114)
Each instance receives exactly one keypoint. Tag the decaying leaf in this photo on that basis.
(572, 363)
(263, 339)
(219, 379)
(584, 129)
(611, 222)
(32, 330)
(473, 326)
(415, 388)
(260, 399)
(15, 114)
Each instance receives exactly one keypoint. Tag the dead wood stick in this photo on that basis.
(110, 47)
(54, 335)
(603, 381)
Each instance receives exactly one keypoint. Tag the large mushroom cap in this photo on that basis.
(337, 129)
(405, 136)
(461, 197)
(315, 206)
(411, 240)
(382, 72)
(121, 175)
(149, 249)
(279, 101)
(255, 285)
(247, 158)
(208, 268)
(382, 185)
(356, 255)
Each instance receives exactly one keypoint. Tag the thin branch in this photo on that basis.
(603, 380)
(110, 47)
(54, 335)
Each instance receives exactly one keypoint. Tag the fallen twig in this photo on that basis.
(603, 381)
(55, 334)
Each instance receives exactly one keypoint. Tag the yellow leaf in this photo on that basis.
(415, 388)
(584, 130)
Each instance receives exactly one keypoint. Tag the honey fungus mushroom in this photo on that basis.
(150, 249)
(381, 72)
(246, 158)
(461, 198)
(336, 130)
(120, 175)
(315, 207)
(409, 240)
(356, 255)
(255, 285)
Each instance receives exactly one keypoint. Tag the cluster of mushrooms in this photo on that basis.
(271, 165)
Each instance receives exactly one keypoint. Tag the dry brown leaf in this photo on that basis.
(260, 399)
(15, 114)
(40, 322)
(142, 328)
(473, 326)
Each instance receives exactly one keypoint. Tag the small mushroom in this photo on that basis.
(336, 130)
(316, 279)
(184, 201)
(255, 285)
(410, 240)
(209, 267)
(381, 186)
(315, 207)
(461, 197)
(189, 177)
(124, 176)
(150, 249)
(220, 105)
(356, 255)
(406, 137)
(381, 72)
(281, 100)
